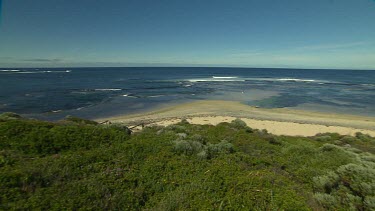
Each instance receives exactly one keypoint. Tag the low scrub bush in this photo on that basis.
(202, 155)
(370, 202)
(77, 165)
(329, 147)
(187, 147)
(327, 182)
(273, 140)
(348, 139)
(324, 138)
(209, 150)
(199, 138)
(184, 122)
(43, 138)
(9, 116)
(213, 150)
(327, 137)
(181, 135)
(176, 128)
(79, 120)
(326, 200)
(364, 137)
(356, 180)
(118, 127)
(238, 124)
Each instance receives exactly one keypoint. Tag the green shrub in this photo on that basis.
(370, 202)
(176, 128)
(348, 139)
(300, 150)
(249, 130)
(181, 135)
(355, 150)
(202, 155)
(326, 200)
(187, 147)
(8, 158)
(264, 131)
(327, 182)
(213, 150)
(367, 157)
(79, 120)
(324, 138)
(198, 138)
(71, 166)
(43, 138)
(328, 147)
(9, 116)
(183, 146)
(118, 127)
(338, 142)
(238, 124)
(197, 146)
(359, 178)
(355, 180)
(273, 140)
(363, 137)
(184, 122)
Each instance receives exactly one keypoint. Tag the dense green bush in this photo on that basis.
(238, 123)
(9, 116)
(43, 138)
(323, 138)
(74, 165)
(190, 147)
(350, 186)
(118, 127)
(364, 137)
(348, 139)
(78, 120)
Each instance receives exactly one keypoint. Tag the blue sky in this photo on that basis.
(244, 33)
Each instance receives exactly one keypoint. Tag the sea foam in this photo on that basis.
(296, 79)
(217, 79)
(10, 70)
(224, 77)
(107, 89)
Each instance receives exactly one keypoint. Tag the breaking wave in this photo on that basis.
(107, 90)
(10, 70)
(224, 77)
(35, 72)
(217, 79)
(235, 78)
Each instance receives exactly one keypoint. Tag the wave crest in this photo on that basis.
(224, 77)
(10, 70)
(107, 89)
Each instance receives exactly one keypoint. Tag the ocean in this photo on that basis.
(53, 93)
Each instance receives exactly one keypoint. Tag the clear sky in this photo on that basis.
(246, 33)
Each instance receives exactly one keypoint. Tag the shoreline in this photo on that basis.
(280, 121)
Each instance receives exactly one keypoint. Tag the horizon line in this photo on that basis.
(237, 67)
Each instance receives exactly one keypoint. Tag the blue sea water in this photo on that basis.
(53, 93)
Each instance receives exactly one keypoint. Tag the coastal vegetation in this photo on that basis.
(80, 164)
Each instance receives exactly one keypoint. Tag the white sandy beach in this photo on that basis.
(277, 121)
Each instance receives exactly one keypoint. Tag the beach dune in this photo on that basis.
(279, 121)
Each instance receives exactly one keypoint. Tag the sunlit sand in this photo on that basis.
(277, 121)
